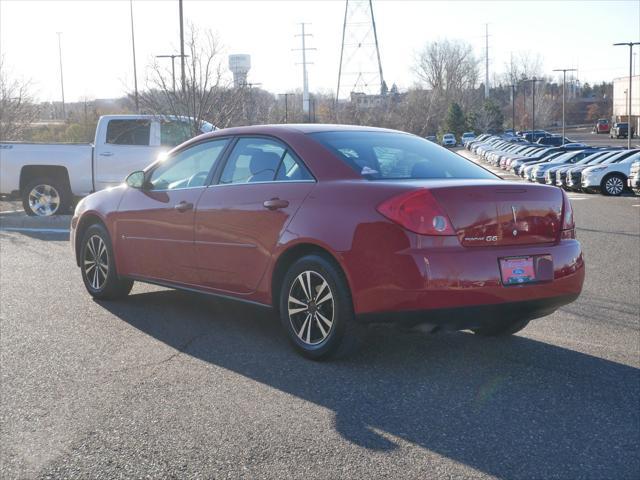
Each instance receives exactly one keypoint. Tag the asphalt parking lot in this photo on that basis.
(172, 384)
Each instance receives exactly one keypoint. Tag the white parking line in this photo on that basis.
(11, 211)
(34, 230)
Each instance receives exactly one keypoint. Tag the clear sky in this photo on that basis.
(96, 39)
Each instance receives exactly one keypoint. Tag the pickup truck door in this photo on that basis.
(124, 146)
(155, 224)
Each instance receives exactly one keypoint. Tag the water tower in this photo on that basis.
(239, 64)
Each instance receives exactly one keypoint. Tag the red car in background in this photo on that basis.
(335, 225)
(602, 126)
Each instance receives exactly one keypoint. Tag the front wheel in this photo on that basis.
(501, 328)
(98, 266)
(316, 309)
(612, 185)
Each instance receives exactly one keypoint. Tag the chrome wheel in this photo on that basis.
(44, 200)
(614, 186)
(311, 307)
(96, 262)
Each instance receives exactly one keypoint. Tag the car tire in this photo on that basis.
(613, 185)
(320, 324)
(501, 328)
(98, 266)
(55, 194)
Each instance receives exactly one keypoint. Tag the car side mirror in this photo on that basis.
(136, 180)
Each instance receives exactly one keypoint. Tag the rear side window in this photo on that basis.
(174, 133)
(389, 155)
(128, 132)
(262, 160)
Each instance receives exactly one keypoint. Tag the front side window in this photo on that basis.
(262, 160)
(128, 132)
(388, 155)
(188, 168)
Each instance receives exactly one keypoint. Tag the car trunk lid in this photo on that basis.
(508, 214)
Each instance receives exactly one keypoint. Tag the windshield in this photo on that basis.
(390, 155)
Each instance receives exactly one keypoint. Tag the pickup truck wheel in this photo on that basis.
(612, 185)
(43, 197)
(99, 267)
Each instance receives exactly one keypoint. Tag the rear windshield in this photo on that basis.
(389, 155)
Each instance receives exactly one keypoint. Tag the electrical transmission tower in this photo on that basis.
(360, 67)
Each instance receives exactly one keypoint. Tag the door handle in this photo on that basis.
(275, 204)
(184, 206)
(106, 154)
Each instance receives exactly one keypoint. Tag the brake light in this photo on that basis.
(417, 211)
(567, 214)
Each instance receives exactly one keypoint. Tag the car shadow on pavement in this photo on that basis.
(512, 407)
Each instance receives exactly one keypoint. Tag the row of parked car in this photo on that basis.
(572, 166)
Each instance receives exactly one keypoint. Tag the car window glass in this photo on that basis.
(188, 168)
(128, 132)
(291, 170)
(253, 160)
(174, 133)
(389, 155)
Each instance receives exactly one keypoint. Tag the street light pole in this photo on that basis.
(513, 107)
(64, 113)
(182, 56)
(133, 47)
(533, 106)
(564, 81)
(629, 127)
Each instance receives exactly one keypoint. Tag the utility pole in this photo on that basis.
(64, 112)
(286, 105)
(182, 56)
(133, 47)
(173, 67)
(564, 82)
(305, 78)
(629, 127)
(486, 61)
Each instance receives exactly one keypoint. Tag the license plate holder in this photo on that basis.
(517, 270)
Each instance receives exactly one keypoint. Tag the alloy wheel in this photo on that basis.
(311, 307)
(96, 262)
(44, 200)
(614, 186)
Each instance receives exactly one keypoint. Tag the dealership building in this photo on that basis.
(621, 100)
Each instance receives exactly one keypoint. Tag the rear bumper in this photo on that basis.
(476, 316)
(449, 276)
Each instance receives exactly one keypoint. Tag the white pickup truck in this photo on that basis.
(49, 176)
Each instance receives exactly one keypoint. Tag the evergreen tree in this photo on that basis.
(455, 122)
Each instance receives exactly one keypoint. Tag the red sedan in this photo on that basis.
(334, 226)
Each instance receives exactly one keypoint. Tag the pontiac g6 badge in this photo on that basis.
(515, 220)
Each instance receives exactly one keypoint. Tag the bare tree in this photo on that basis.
(448, 67)
(17, 110)
(205, 96)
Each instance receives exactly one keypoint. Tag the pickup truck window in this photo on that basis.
(128, 132)
(188, 168)
(174, 133)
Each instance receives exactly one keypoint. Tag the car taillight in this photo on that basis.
(568, 224)
(417, 211)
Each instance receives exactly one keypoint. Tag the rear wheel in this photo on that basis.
(612, 185)
(98, 266)
(316, 308)
(501, 328)
(43, 197)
